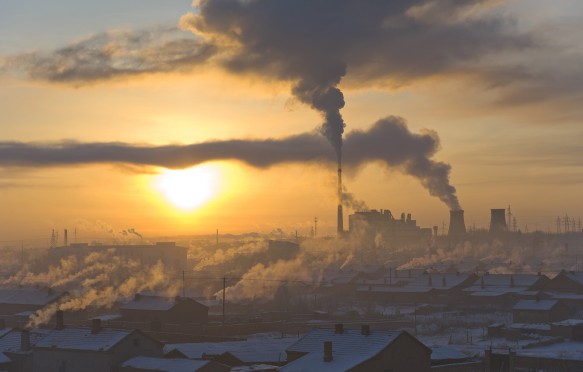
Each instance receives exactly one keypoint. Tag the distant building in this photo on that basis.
(374, 223)
(502, 291)
(539, 311)
(164, 310)
(342, 349)
(167, 252)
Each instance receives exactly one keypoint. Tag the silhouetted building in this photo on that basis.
(19, 300)
(164, 310)
(374, 223)
(498, 220)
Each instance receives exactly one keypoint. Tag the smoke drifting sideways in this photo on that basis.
(388, 142)
(96, 280)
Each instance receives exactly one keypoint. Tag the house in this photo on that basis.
(177, 310)
(448, 359)
(150, 364)
(501, 291)
(539, 311)
(90, 349)
(18, 300)
(566, 282)
(342, 349)
(16, 348)
(427, 287)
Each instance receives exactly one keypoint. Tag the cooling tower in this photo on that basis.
(457, 226)
(498, 220)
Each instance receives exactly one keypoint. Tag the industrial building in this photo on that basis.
(374, 223)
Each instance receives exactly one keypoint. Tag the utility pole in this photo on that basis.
(182, 283)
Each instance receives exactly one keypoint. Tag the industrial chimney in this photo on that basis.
(340, 214)
(498, 220)
(457, 226)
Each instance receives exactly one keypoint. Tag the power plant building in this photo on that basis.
(381, 222)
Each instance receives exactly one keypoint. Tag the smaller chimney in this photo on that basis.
(60, 320)
(25, 340)
(339, 328)
(365, 329)
(95, 326)
(328, 351)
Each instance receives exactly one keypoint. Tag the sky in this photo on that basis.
(173, 118)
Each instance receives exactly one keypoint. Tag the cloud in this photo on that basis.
(388, 141)
(114, 54)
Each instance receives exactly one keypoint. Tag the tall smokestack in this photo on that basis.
(498, 220)
(457, 226)
(340, 214)
(65, 238)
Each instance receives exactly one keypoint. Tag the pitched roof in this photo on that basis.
(154, 303)
(81, 338)
(504, 283)
(11, 340)
(533, 305)
(252, 350)
(28, 296)
(165, 365)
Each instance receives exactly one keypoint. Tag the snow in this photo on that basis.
(11, 341)
(81, 338)
(161, 364)
(533, 305)
(28, 296)
(446, 353)
(4, 358)
(315, 362)
(260, 348)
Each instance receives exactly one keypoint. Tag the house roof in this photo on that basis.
(4, 358)
(315, 362)
(165, 365)
(11, 340)
(252, 350)
(155, 303)
(28, 296)
(81, 338)
(423, 284)
(504, 283)
(533, 305)
(439, 353)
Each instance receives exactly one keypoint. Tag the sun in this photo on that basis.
(188, 188)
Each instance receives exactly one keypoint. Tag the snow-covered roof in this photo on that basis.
(568, 322)
(260, 349)
(422, 284)
(446, 353)
(534, 305)
(564, 296)
(4, 331)
(349, 349)
(564, 350)
(11, 340)
(28, 296)
(4, 358)
(142, 302)
(165, 365)
(503, 283)
(81, 338)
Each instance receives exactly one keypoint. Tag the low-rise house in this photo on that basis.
(13, 301)
(90, 349)
(566, 282)
(342, 349)
(539, 311)
(150, 364)
(501, 291)
(16, 348)
(177, 310)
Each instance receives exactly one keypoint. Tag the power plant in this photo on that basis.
(457, 225)
(498, 220)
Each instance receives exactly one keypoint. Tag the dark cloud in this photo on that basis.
(113, 55)
(388, 142)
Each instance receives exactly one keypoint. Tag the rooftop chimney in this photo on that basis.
(328, 351)
(365, 329)
(60, 320)
(457, 226)
(498, 220)
(95, 326)
(25, 340)
(339, 328)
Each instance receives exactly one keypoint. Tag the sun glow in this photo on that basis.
(188, 188)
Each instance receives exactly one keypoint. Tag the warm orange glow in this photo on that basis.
(188, 188)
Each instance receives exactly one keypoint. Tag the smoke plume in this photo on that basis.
(388, 142)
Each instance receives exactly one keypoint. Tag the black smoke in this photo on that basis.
(388, 142)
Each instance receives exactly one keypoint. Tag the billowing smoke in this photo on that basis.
(98, 279)
(388, 142)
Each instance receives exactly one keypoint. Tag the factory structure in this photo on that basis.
(381, 223)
